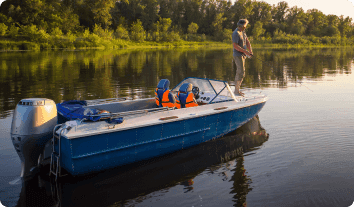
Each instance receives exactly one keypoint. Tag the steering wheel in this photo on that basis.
(195, 91)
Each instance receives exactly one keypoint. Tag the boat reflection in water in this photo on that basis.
(117, 186)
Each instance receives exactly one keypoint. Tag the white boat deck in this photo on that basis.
(164, 116)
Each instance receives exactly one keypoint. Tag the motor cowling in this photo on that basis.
(32, 127)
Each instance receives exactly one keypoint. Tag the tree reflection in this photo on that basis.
(91, 74)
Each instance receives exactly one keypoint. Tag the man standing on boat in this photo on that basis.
(240, 44)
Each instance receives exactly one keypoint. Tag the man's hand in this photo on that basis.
(248, 54)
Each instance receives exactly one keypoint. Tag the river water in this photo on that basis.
(297, 152)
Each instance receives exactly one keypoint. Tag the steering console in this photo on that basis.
(195, 91)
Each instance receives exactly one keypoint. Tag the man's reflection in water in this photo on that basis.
(241, 183)
(118, 186)
(253, 135)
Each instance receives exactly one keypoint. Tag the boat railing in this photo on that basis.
(55, 162)
(107, 100)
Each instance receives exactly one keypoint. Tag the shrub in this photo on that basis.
(94, 39)
(71, 37)
(171, 37)
(56, 32)
(86, 33)
(30, 46)
(192, 28)
(29, 31)
(3, 29)
(42, 36)
(203, 38)
(258, 30)
(104, 33)
(56, 36)
(121, 33)
(137, 32)
(13, 31)
(33, 34)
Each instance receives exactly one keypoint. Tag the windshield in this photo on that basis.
(214, 89)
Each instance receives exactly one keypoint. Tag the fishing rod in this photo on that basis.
(273, 67)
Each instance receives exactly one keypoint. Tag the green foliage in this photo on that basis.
(217, 24)
(113, 23)
(336, 40)
(6, 20)
(56, 32)
(121, 33)
(137, 32)
(161, 31)
(71, 37)
(30, 46)
(165, 24)
(34, 34)
(193, 28)
(3, 29)
(330, 31)
(174, 37)
(86, 33)
(104, 33)
(258, 30)
(13, 31)
(224, 35)
(281, 37)
(195, 37)
(42, 36)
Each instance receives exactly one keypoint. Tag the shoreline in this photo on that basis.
(20, 46)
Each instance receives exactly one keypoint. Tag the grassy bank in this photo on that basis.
(93, 41)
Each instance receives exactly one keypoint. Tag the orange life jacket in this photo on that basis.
(190, 101)
(165, 102)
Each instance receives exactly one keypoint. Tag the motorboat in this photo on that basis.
(82, 137)
(143, 178)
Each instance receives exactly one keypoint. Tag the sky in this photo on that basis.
(336, 7)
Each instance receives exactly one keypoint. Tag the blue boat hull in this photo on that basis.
(99, 152)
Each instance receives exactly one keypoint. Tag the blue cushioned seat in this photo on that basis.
(162, 87)
(184, 91)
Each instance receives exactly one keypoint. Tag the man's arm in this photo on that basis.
(248, 44)
(240, 49)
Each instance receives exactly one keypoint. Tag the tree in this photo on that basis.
(344, 25)
(258, 30)
(101, 11)
(193, 28)
(262, 12)
(137, 31)
(161, 27)
(315, 21)
(217, 24)
(280, 11)
(243, 9)
(295, 21)
(191, 13)
(121, 32)
(3, 29)
(332, 26)
(149, 14)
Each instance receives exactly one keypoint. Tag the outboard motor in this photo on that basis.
(32, 128)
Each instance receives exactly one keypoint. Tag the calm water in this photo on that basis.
(305, 161)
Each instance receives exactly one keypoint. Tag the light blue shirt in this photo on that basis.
(239, 38)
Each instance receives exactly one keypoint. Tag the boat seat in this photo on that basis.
(163, 96)
(185, 96)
